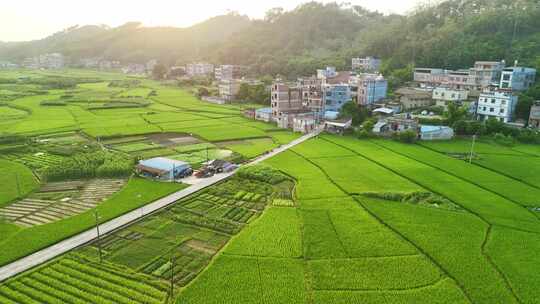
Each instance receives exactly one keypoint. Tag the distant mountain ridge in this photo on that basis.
(451, 34)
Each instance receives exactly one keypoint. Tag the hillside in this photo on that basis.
(451, 34)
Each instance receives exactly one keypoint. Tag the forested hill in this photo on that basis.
(451, 34)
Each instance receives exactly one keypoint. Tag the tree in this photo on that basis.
(243, 92)
(202, 91)
(351, 109)
(455, 113)
(159, 71)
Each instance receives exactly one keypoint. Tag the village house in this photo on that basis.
(264, 114)
(200, 69)
(481, 75)
(229, 72)
(411, 98)
(338, 126)
(496, 103)
(304, 122)
(443, 96)
(366, 64)
(284, 98)
(517, 78)
(534, 117)
(370, 88)
(312, 95)
(394, 124)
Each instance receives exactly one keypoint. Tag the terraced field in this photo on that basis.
(55, 201)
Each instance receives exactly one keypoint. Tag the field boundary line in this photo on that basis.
(491, 169)
(462, 179)
(488, 224)
(380, 220)
(441, 277)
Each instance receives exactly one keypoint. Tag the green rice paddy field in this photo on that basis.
(367, 221)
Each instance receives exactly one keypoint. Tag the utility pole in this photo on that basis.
(18, 184)
(472, 149)
(98, 236)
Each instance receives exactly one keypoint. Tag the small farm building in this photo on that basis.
(264, 114)
(436, 132)
(162, 168)
(337, 126)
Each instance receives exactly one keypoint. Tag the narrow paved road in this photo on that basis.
(64, 246)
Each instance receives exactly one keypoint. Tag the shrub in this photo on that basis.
(262, 173)
(503, 140)
(408, 136)
(90, 165)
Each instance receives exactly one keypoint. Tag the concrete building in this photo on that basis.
(499, 104)
(312, 95)
(482, 75)
(284, 98)
(150, 65)
(200, 69)
(335, 96)
(338, 126)
(45, 61)
(329, 72)
(370, 88)
(304, 122)
(429, 77)
(486, 73)
(228, 89)
(264, 114)
(411, 98)
(517, 78)
(229, 72)
(394, 124)
(534, 117)
(162, 168)
(366, 64)
(443, 96)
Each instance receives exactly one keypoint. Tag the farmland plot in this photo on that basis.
(500, 184)
(16, 181)
(74, 280)
(56, 201)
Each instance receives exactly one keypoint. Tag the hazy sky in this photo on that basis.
(35, 19)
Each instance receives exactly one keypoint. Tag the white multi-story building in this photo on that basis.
(367, 64)
(499, 104)
(199, 69)
(448, 94)
(371, 88)
(482, 75)
(329, 72)
(517, 78)
(229, 72)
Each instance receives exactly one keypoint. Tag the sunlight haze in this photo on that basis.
(24, 19)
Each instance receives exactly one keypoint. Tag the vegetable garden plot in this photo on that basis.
(56, 201)
(73, 280)
(248, 280)
(275, 234)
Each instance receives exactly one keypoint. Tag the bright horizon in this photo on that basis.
(22, 20)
